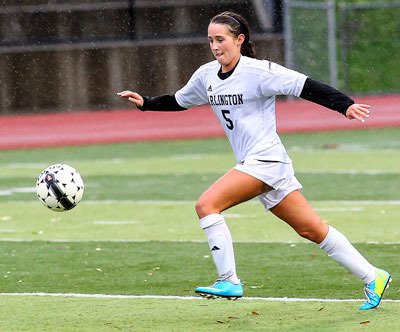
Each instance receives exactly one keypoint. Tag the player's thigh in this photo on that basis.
(232, 188)
(295, 210)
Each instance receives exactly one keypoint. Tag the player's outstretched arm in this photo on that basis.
(358, 111)
(165, 103)
(134, 97)
(329, 97)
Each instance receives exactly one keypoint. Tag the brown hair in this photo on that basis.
(237, 25)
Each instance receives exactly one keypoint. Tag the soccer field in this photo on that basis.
(129, 256)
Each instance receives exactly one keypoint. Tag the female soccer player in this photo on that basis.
(241, 91)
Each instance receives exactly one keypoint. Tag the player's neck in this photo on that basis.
(224, 75)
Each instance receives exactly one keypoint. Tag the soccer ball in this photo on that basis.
(59, 187)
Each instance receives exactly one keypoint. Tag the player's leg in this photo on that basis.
(296, 211)
(231, 189)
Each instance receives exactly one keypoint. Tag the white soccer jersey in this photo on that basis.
(245, 104)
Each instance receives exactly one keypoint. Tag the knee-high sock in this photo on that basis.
(338, 247)
(221, 246)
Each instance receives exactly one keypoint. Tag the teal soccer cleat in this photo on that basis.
(221, 288)
(375, 289)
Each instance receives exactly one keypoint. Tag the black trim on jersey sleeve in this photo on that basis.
(166, 103)
(326, 96)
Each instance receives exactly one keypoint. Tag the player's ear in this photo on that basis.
(241, 39)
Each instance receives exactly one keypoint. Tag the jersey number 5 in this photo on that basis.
(229, 123)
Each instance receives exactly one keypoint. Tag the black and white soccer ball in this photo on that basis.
(60, 187)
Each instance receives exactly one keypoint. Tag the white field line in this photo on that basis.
(339, 209)
(116, 161)
(8, 192)
(7, 231)
(291, 243)
(17, 190)
(166, 297)
(174, 202)
(347, 172)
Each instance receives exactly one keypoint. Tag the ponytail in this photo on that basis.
(247, 49)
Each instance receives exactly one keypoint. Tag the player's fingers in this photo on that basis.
(363, 105)
(133, 97)
(363, 111)
(358, 111)
(134, 100)
(125, 94)
(359, 118)
(122, 94)
(137, 100)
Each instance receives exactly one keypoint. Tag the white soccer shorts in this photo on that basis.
(277, 175)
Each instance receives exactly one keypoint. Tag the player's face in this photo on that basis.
(224, 45)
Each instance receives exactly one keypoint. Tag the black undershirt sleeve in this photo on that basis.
(165, 103)
(326, 96)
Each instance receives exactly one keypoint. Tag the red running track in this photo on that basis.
(102, 127)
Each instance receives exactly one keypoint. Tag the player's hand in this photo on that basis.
(359, 112)
(134, 97)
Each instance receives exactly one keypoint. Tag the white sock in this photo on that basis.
(342, 251)
(221, 246)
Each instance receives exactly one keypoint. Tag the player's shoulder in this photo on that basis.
(207, 68)
(258, 66)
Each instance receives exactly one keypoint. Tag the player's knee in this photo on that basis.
(311, 234)
(200, 208)
(203, 207)
(305, 233)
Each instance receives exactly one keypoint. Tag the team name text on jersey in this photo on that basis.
(221, 100)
